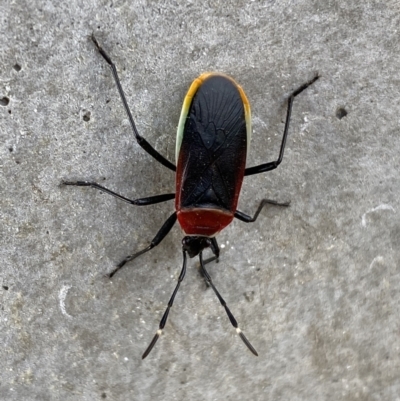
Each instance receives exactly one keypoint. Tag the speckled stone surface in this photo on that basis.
(315, 286)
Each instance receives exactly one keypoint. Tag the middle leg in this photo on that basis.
(151, 200)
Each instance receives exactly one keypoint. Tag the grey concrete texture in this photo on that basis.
(315, 287)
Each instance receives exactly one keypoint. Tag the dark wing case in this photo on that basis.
(212, 156)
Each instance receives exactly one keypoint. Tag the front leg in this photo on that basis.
(248, 219)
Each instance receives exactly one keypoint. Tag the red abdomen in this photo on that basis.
(203, 221)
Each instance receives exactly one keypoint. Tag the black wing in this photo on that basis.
(212, 156)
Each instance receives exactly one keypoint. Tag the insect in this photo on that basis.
(213, 139)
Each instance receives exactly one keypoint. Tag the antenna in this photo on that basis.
(228, 312)
(165, 316)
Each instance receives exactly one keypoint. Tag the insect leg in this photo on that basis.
(151, 200)
(248, 219)
(162, 233)
(140, 140)
(261, 168)
(228, 312)
(215, 250)
(165, 316)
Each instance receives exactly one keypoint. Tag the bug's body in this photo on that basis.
(212, 144)
(212, 141)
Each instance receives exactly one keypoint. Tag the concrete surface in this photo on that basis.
(315, 286)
